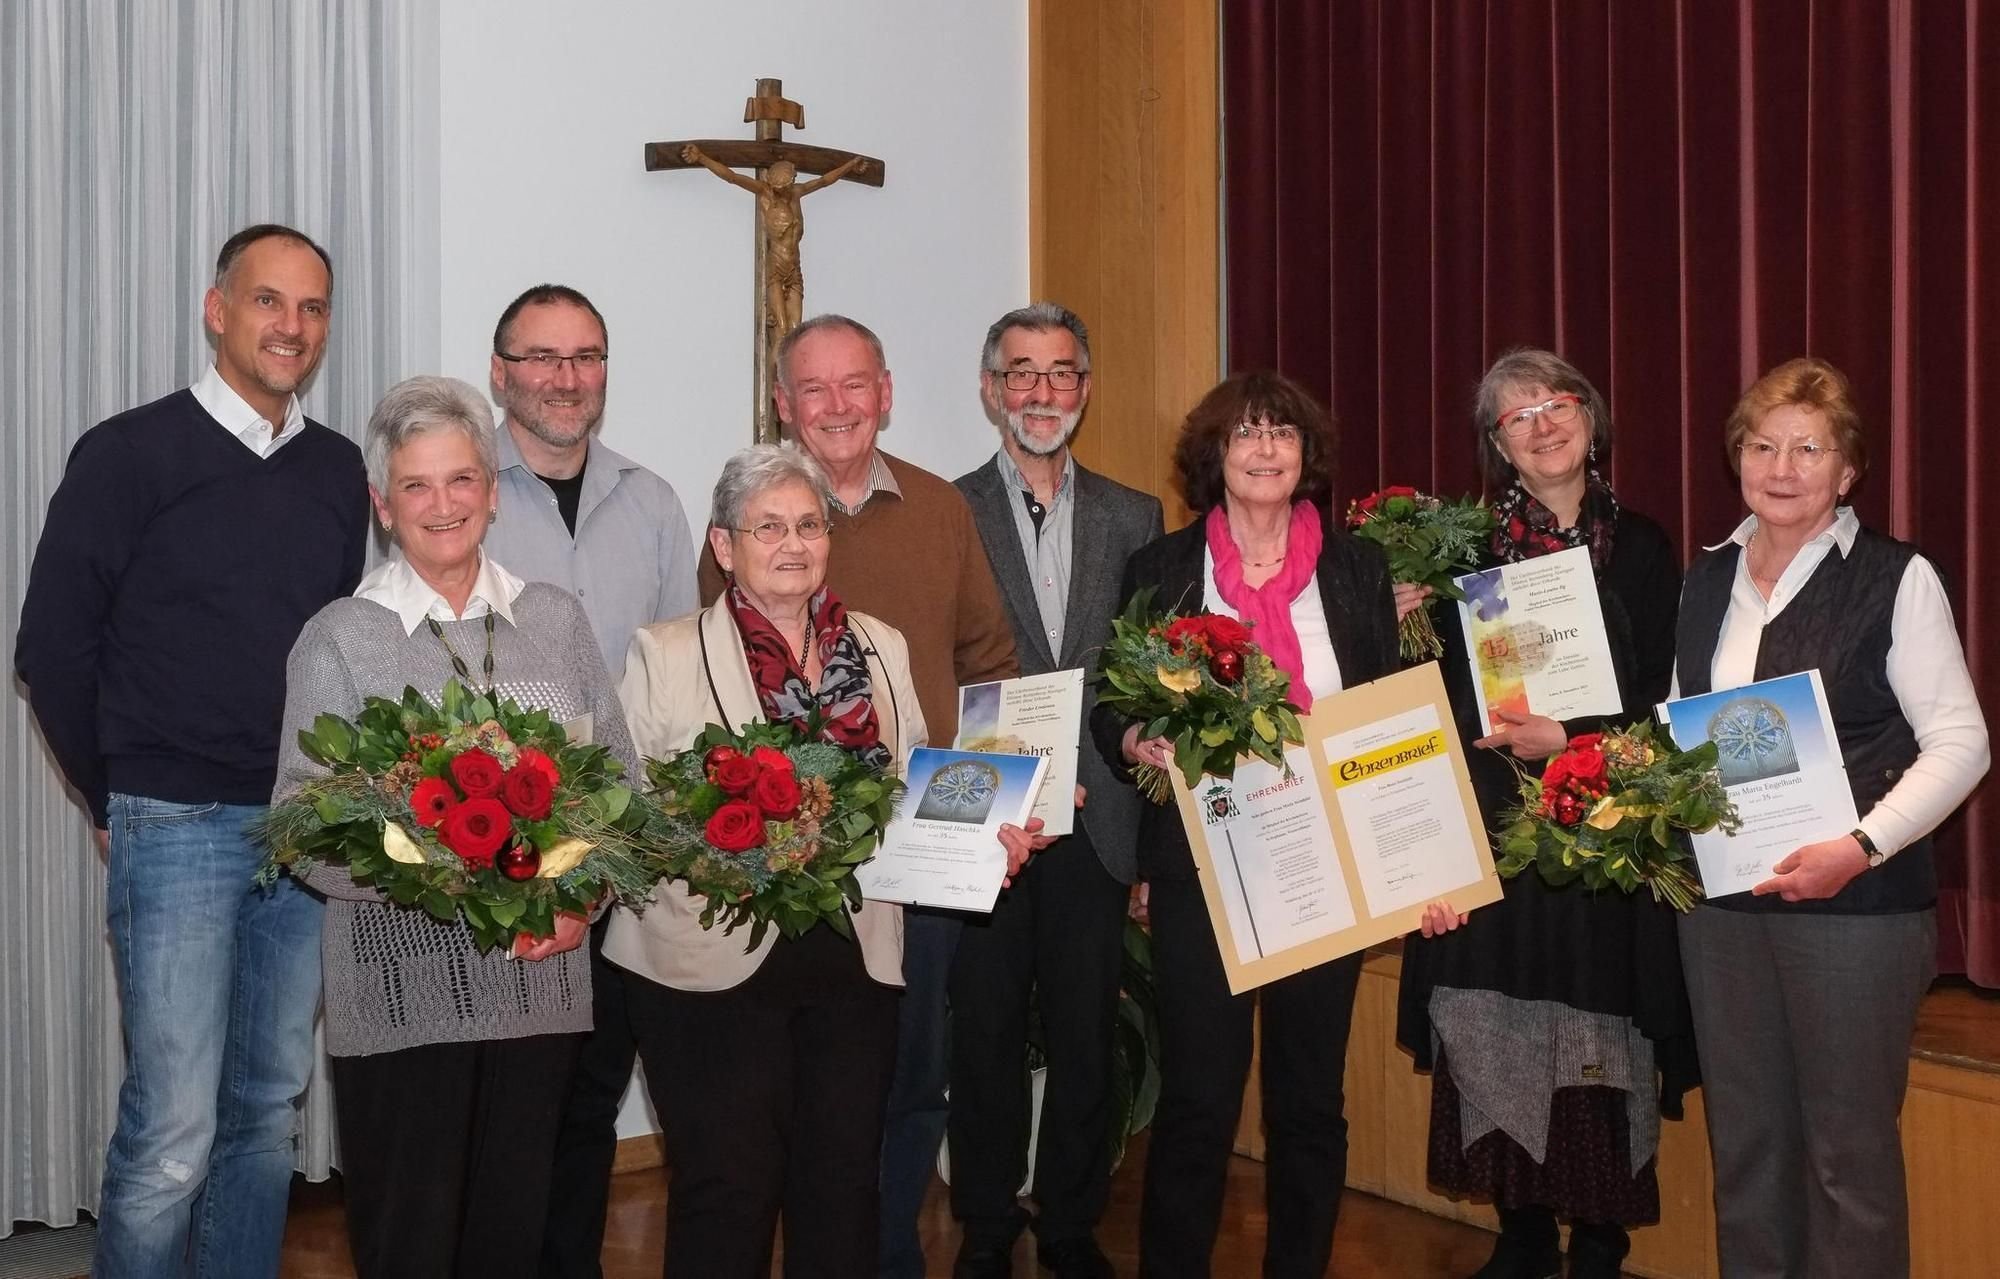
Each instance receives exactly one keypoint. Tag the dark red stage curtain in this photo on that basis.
(1676, 196)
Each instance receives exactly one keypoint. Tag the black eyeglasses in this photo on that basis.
(1025, 379)
(549, 361)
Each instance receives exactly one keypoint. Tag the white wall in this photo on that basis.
(544, 110)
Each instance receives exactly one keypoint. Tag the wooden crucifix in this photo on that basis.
(780, 284)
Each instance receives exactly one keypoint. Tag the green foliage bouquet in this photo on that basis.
(1428, 540)
(1198, 681)
(768, 825)
(1607, 810)
(466, 809)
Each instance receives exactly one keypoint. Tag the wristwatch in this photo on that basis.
(1868, 849)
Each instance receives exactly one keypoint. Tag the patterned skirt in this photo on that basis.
(1586, 1177)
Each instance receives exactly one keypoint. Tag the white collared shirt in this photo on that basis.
(237, 417)
(1926, 670)
(396, 586)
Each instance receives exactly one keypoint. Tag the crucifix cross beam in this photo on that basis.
(779, 290)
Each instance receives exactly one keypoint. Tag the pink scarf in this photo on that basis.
(1268, 608)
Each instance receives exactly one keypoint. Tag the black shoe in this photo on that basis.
(1512, 1260)
(1078, 1258)
(984, 1259)
(1596, 1249)
(1529, 1247)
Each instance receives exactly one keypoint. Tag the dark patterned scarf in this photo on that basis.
(843, 707)
(1523, 528)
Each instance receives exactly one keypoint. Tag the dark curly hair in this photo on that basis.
(1258, 398)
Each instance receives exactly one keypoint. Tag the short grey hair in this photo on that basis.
(1525, 366)
(419, 405)
(783, 357)
(759, 467)
(1039, 317)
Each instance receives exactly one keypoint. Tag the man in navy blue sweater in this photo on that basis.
(188, 543)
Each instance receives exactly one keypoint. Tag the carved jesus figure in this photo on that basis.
(784, 225)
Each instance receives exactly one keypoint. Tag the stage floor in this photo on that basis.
(1959, 1025)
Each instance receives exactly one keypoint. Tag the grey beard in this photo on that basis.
(1017, 427)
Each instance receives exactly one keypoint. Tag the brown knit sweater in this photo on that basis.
(916, 563)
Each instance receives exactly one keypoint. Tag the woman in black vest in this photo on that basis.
(1805, 990)
(1555, 1024)
(1254, 462)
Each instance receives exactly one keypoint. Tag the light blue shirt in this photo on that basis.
(631, 562)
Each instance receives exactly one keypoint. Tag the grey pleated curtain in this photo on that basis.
(135, 136)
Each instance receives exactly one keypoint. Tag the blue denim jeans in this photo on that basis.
(913, 1128)
(219, 983)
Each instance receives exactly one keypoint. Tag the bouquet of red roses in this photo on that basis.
(466, 809)
(768, 825)
(1199, 681)
(1605, 811)
(1428, 540)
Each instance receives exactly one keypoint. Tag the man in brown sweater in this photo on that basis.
(906, 549)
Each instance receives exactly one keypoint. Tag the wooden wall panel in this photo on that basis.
(1124, 227)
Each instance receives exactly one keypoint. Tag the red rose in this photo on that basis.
(1366, 506)
(1227, 666)
(1556, 773)
(476, 829)
(1586, 741)
(777, 794)
(735, 775)
(1399, 490)
(1587, 767)
(736, 826)
(770, 759)
(1227, 632)
(716, 756)
(1183, 629)
(528, 791)
(432, 800)
(532, 758)
(477, 773)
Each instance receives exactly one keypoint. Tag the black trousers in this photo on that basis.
(587, 1143)
(771, 1095)
(444, 1155)
(1205, 1048)
(1058, 935)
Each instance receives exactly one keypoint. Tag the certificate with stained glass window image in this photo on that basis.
(943, 847)
(1780, 763)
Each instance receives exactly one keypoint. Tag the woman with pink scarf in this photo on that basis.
(1254, 461)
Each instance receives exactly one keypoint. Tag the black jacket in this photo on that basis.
(1360, 615)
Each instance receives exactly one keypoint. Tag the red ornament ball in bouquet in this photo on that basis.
(1227, 666)
(477, 773)
(476, 829)
(518, 862)
(736, 826)
(432, 800)
(528, 791)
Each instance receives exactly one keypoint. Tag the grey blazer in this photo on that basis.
(1112, 521)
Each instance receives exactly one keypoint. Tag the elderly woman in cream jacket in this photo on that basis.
(769, 1067)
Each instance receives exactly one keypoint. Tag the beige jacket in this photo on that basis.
(681, 676)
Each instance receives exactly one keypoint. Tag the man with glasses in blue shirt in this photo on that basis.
(578, 515)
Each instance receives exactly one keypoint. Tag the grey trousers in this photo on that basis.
(1804, 1023)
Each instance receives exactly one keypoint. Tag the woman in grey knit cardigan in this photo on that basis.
(449, 1065)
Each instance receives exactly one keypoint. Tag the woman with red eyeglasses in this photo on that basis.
(1555, 1025)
